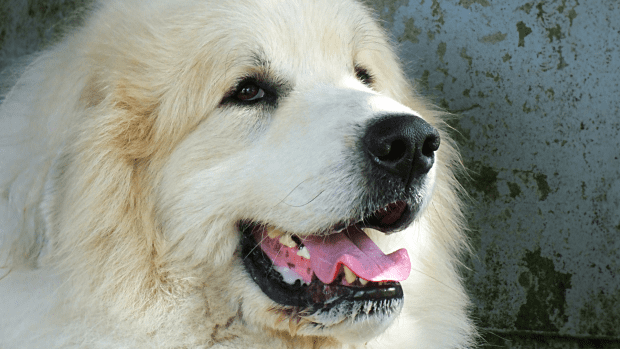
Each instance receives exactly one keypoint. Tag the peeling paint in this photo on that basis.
(515, 190)
(541, 13)
(464, 55)
(554, 32)
(495, 78)
(545, 306)
(561, 7)
(527, 7)
(442, 70)
(411, 32)
(441, 51)
(386, 8)
(562, 63)
(468, 3)
(543, 186)
(601, 306)
(485, 180)
(572, 14)
(437, 12)
(494, 38)
(523, 32)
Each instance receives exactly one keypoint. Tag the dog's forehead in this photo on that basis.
(318, 33)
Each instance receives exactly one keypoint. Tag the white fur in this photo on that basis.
(122, 179)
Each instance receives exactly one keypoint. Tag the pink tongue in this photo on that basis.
(352, 248)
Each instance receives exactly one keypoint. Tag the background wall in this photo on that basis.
(536, 86)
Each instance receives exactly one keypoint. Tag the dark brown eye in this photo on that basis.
(363, 75)
(250, 92)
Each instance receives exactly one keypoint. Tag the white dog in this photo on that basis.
(227, 174)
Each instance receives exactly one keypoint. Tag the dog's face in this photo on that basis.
(307, 136)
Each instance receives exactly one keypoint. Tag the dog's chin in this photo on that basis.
(361, 331)
(350, 331)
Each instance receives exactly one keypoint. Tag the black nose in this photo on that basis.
(402, 145)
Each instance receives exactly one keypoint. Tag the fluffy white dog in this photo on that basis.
(227, 174)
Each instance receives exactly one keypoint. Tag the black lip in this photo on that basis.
(312, 297)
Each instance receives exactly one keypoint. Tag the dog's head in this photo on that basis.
(310, 137)
(275, 144)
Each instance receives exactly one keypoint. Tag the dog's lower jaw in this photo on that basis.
(341, 336)
(351, 331)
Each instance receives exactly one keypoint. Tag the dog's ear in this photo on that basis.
(144, 109)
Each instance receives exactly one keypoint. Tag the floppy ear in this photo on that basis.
(100, 213)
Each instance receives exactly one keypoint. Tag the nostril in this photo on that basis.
(393, 151)
(431, 144)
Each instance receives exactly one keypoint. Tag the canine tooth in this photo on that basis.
(287, 241)
(363, 282)
(348, 275)
(303, 252)
(274, 233)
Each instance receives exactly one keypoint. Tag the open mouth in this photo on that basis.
(342, 269)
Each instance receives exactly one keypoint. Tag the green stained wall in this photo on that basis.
(537, 87)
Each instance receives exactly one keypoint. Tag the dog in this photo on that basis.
(228, 174)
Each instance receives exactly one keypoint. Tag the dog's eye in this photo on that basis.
(363, 75)
(250, 92)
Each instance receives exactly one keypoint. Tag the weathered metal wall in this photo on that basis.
(537, 86)
(26, 25)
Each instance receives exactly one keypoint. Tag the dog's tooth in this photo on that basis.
(303, 252)
(363, 282)
(274, 233)
(349, 275)
(287, 241)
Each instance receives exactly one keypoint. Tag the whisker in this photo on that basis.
(292, 190)
(314, 198)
